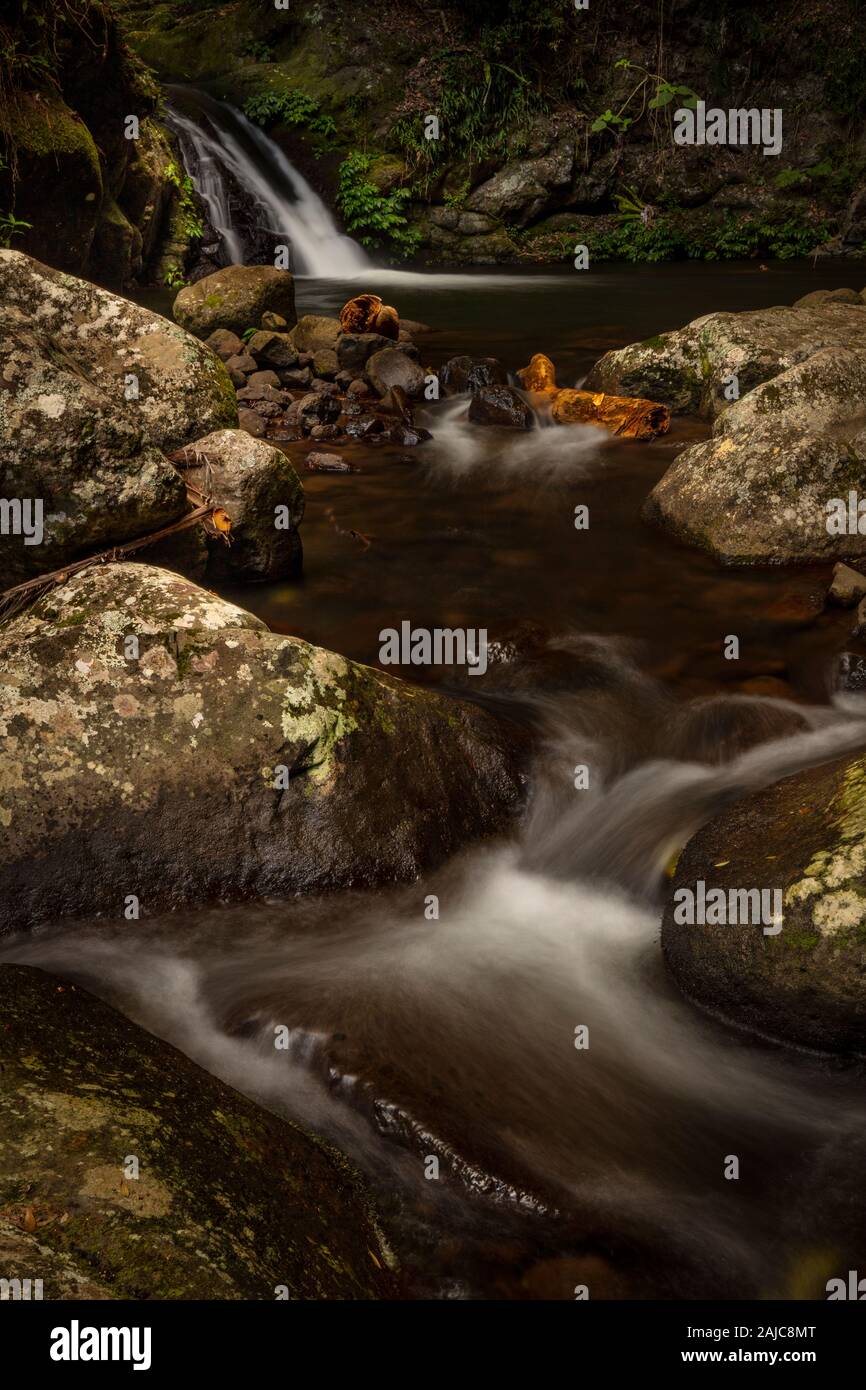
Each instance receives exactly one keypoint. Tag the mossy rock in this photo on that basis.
(231, 1202)
(59, 188)
(807, 984)
(235, 298)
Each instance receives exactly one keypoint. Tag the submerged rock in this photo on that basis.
(235, 298)
(95, 389)
(392, 367)
(230, 1202)
(805, 984)
(222, 760)
(461, 374)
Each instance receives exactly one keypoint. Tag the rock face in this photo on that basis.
(230, 1202)
(235, 298)
(95, 389)
(223, 760)
(259, 488)
(807, 837)
(758, 492)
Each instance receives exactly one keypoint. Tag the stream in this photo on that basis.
(412, 1040)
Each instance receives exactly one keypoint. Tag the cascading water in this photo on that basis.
(231, 161)
(455, 1037)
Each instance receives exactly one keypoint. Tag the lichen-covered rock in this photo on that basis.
(223, 760)
(94, 389)
(758, 491)
(235, 298)
(262, 493)
(690, 370)
(230, 1202)
(806, 984)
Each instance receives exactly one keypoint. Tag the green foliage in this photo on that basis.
(680, 236)
(663, 94)
(292, 107)
(374, 216)
(188, 215)
(257, 50)
(11, 226)
(174, 278)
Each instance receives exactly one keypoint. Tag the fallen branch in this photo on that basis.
(215, 520)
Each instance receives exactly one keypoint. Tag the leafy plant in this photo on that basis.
(174, 278)
(11, 226)
(188, 214)
(654, 93)
(290, 107)
(371, 214)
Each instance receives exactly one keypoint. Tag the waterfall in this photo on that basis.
(232, 162)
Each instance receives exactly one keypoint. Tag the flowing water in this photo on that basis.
(453, 1039)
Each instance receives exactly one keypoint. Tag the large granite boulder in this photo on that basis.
(93, 391)
(758, 491)
(230, 1202)
(161, 743)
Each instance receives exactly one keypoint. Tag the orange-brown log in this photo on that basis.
(631, 417)
(540, 375)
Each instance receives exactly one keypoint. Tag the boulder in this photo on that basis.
(230, 1202)
(689, 370)
(392, 367)
(807, 837)
(462, 374)
(258, 487)
(95, 389)
(221, 762)
(758, 491)
(235, 297)
(500, 405)
(315, 331)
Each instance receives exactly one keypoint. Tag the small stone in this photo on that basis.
(266, 378)
(225, 343)
(329, 463)
(322, 432)
(357, 388)
(252, 422)
(242, 362)
(273, 321)
(848, 586)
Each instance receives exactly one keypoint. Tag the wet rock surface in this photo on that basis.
(807, 837)
(230, 1202)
